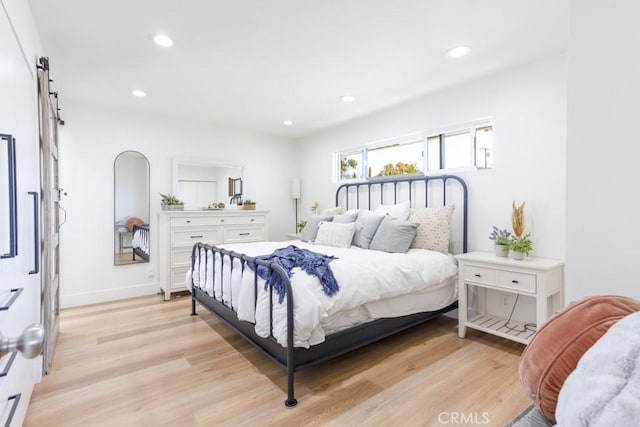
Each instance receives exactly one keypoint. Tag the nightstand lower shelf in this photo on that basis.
(496, 325)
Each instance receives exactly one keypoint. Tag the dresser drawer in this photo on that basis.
(181, 256)
(217, 220)
(195, 221)
(480, 274)
(181, 236)
(245, 220)
(243, 234)
(518, 281)
(177, 279)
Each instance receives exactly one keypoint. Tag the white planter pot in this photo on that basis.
(517, 255)
(501, 250)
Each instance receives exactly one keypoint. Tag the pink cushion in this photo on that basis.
(133, 220)
(554, 351)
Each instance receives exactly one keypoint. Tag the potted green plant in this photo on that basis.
(520, 246)
(249, 205)
(170, 203)
(501, 240)
(301, 225)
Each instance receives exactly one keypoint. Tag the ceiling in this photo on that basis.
(251, 64)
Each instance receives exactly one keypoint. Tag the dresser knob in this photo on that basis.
(514, 281)
(222, 220)
(477, 275)
(252, 219)
(188, 221)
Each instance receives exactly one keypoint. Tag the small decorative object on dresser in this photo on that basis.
(300, 225)
(249, 205)
(170, 203)
(501, 241)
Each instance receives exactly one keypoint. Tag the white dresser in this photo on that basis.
(179, 230)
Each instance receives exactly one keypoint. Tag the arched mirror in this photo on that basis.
(131, 210)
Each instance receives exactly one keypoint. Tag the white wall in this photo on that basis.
(89, 143)
(528, 109)
(603, 150)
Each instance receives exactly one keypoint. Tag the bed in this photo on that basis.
(140, 241)
(302, 325)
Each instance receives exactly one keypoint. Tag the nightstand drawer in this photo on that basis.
(480, 274)
(519, 281)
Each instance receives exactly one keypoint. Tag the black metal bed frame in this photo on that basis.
(144, 229)
(294, 358)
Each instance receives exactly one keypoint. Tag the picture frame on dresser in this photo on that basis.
(180, 230)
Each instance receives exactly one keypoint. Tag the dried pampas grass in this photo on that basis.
(517, 219)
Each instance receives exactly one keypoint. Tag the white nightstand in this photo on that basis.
(538, 278)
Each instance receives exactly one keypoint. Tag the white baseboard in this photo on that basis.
(104, 295)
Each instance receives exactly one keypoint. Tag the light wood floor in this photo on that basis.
(145, 362)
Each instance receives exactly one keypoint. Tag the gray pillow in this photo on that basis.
(310, 230)
(346, 217)
(370, 222)
(394, 235)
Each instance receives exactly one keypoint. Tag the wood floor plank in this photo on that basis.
(146, 362)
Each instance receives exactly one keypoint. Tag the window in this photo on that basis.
(395, 159)
(351, 165)
(464, 146)
(484, 146)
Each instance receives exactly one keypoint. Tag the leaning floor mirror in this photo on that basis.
(131, 210)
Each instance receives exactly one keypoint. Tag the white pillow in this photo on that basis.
(434, 230)
(336, 234)
(400, 211)
(332, 211)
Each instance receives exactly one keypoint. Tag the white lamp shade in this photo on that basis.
(295, 188)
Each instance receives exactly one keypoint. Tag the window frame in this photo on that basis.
(470, 127)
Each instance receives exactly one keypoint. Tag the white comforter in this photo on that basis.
(364, 276)
(604, 389)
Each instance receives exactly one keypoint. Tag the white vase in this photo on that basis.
(501, 250)
(517, 255)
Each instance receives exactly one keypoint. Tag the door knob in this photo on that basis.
(29, 343)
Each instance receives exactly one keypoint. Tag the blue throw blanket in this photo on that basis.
(292, 256)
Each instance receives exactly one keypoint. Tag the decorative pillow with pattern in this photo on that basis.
(336, 234)
(434, 231)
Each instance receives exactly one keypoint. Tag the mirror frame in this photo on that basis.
(11, 195)
(181, 161)
(115, 204)
(235, 187)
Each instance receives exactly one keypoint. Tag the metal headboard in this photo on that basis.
(407, 185)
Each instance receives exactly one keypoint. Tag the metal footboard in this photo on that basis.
(223, 305)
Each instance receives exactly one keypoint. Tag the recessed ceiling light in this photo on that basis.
(287, 123)
(138, 93)
(459, 51)
(348, 98)
(163, 40)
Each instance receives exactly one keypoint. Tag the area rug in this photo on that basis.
(530, 417)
